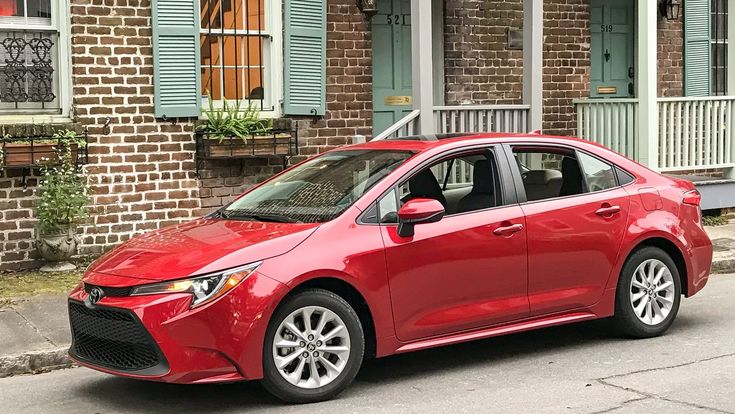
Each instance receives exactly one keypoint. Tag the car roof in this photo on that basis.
(421, 143)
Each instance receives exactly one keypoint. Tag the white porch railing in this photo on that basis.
(696, 133)
(406, 126)
(609, 122)
(481, 118)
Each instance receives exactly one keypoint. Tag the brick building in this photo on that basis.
(136, 74)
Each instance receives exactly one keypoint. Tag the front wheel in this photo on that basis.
(648, 294)
(313, 347)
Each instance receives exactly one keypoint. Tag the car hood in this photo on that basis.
(199, 247)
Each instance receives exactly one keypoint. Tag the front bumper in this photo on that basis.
(159, 338)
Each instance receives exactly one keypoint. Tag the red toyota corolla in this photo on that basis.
(389, 247)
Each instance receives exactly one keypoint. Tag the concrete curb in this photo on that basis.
(723, 266)
(35, 362)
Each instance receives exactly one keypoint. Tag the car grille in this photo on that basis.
(112, 338)
(109, 291)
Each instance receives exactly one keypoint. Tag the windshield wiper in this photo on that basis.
(269, 218)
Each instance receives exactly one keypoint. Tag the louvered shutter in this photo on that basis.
(176, 58)
(697, 48)
(305, 60)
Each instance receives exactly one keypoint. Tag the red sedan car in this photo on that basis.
(394, 246)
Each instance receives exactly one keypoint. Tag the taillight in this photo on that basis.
(692, 197)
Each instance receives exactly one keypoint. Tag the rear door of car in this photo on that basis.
(575, 235)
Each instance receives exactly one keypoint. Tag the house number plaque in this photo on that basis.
(398, 100)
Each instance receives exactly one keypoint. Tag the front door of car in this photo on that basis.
(575, 216)
(465, 271)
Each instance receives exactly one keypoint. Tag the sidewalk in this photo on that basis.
(35, 337)
(723, 242)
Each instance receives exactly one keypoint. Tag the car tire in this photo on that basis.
(648, 294)
(294, 382)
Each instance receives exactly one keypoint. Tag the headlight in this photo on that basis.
(204, 289)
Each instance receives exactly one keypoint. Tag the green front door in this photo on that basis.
(612, 50)
(392, 97)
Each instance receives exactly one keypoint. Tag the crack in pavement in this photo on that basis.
(35, 328)
(645, 395)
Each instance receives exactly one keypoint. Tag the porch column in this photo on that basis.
(647, 137)
(731, 47)
(533, 65)
(422, 64)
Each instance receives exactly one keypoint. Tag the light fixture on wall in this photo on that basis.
(670, 9)
(368, 7)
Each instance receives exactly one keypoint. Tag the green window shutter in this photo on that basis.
(176, 54)
(305, 57)
(697, 48)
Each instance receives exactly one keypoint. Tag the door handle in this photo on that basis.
(508, 230)
(607, 210)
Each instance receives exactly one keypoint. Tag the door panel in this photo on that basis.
(612, 48)
(572, 249)
(391, 31)
(456, 274)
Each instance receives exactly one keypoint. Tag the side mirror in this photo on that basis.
(418, 211)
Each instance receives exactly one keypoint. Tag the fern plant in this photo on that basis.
(231, 121)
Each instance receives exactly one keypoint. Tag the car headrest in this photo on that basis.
(541, 177)
(482, 177)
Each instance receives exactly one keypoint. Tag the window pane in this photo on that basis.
(388, 208)
(230, 14)
(39, 8)
(11, 8)
(599, 175)
(256, 15)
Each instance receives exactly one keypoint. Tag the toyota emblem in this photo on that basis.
(96, 295)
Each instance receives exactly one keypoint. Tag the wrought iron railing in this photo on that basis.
(28, 75)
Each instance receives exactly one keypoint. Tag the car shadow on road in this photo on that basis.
(125, 395)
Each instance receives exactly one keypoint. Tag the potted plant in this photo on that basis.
(230, 132)
(27, 152)
(61, 206)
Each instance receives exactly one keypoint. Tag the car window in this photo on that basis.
(462, 184)
(549, 173)
(559, 172)
(599, 175)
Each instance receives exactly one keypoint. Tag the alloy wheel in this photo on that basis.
(311, 347)
(652, 292)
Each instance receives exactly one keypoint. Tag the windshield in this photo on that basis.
(318, 190)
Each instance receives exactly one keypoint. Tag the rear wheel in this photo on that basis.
(648, 294)
(313, 347)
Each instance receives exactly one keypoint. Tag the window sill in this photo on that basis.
(34, 119)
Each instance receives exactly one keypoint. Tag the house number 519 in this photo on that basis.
(606, 28)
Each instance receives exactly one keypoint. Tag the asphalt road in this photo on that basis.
(570, 369)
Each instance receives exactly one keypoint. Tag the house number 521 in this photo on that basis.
(606, 28)
(397, 19)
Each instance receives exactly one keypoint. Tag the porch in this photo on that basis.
(693, 135)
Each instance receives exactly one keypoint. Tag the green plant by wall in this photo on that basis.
(232, 121)
(63, 194)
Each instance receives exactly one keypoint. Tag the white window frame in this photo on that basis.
(272, 60)
(60, 22)
(717, 41)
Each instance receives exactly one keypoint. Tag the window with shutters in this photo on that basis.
(33, 42)
(241, 53)
(719, 47)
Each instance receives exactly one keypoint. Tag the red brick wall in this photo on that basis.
(566, 62)
(671, 57)
(479, 67)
